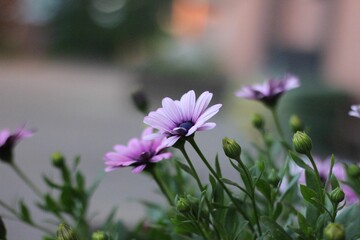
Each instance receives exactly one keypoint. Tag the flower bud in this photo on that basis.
(183, 205)
(231, 148)
(334, 231)
(65, 232)
(337, 195)
(296, 124)
(57, 159)
(99, 235)
(258, 121)
(353, 171)
(140, 101)
(302, 142)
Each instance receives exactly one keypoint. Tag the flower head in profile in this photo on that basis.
(355, 111)
(139, 153)
(8, 141)
(182, 118)
(270, 91)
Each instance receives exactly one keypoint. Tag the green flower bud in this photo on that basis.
(183, 205)
(231, 148)
(353, 171)
(334, 231)
(337, 195)
(99, 235)
(57, 159)
(302, 142)
(65, 232)
(296, 124)
(257, 121)
(140, 101)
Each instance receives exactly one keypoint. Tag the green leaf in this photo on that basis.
(243, 172)
(265, 188)
(278, 210)
(305, 228)
(299, 161)
(80, 181)
(51, 204)
(275, 229)
(334, 182)
(24, 213)
(185, 167)
(229, 182)
(312, 182)
(293, 184)
(50, 183)
(217, 166)
(307, 193)
(76, 162)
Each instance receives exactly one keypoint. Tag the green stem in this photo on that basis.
(252, 194)
(267, 150)
(16, 214)
(317, 174)
(162, 187)
(195, 175)
(198, 225)
(202, 157)
(197, 179)
(279, 129)
(27, 181)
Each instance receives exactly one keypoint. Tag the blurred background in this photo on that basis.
(68, 68)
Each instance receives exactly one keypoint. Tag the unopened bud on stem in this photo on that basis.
(337, 195)
(296, 124)
(65, 232)
(99, 235)
(302, 142)
(334, 231)
(231, 148)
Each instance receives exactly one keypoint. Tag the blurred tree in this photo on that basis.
(100, 28)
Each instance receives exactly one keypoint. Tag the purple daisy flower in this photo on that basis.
(8, 141)
(139, 153)
(270, 91)
(178, 119)
(355, 111)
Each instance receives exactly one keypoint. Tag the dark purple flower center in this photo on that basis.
(184, 127)
(145, 156)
